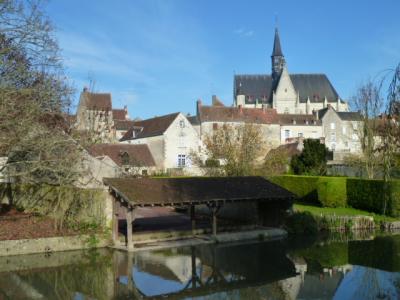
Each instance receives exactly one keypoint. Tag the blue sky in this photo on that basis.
(160, 56)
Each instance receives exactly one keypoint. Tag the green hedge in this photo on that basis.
(320, 190)
(364, 194)
(367, 194)
(332, 191)
(304, 187)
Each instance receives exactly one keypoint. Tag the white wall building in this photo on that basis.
(170, 138)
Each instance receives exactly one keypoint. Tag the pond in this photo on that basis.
(337, 267)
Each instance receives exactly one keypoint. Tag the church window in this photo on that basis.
(181, 160)
(333, 126)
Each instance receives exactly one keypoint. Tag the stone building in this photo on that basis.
(132, 159)
(285, 92)
(96, 114)
(170, 138)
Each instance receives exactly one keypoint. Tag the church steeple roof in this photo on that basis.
(277, 50)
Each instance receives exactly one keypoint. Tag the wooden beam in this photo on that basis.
(129, 223)
(193, 218)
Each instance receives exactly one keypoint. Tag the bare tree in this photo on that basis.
(234, 150)
(368, 102)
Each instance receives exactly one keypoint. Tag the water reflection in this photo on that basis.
(289, 269)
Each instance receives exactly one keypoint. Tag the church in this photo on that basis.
(287, 93)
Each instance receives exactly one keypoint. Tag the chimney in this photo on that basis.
(198, 107)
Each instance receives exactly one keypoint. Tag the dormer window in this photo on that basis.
(125, 158)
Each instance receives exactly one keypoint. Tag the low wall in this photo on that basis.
(53, 244)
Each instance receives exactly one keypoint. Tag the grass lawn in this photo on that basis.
(340, 211)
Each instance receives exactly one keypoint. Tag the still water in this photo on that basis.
(320, 268)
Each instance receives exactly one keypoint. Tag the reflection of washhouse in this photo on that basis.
(205, 270)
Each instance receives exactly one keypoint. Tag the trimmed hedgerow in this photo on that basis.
(332, 191)
(369, 195)
(304, 187)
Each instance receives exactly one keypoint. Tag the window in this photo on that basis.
(346, 144)
(125, 158)
(333, 146)
(333, 137)
(344, 130)
(286, 110)
(181, 160)
(287, 133)
(300, 134)
(144, 173)
(182, 123)
(333, 126)
(314, 134)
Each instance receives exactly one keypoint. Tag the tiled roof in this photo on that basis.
(297, 119)
(150, 127)
(98, 101)
(119, 114)
(139, 155)
(237, 114)
(165, 191)
(123, 124)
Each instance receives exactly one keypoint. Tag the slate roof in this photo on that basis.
(236, 114)
(150, 127)
(349, 116)
(181, 191)
(138, 154)
(313, 86)
(277, 50)
(119, 114)
(98, 101)
(343, 115)
(193, 120)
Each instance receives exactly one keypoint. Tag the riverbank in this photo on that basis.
(346, 218)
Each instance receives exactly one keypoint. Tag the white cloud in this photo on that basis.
(242, 32)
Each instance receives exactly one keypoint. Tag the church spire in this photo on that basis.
(277, 58)
(277, 50)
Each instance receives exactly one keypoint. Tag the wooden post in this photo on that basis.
(214, 207)
(115, 222)
(193, 218)
(129, 224)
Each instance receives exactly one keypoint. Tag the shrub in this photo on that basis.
(301, 223)
(332, 191)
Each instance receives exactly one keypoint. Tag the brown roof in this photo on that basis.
(119, 114)
(236, 114)
(297, 119)
(150, 127)
(98, 101)
(139, 155)
(289, 149)
(171, 191)
(123, 124)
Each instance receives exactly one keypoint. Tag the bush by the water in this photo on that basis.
(364, 194)
(301, 223)
(369, 195)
